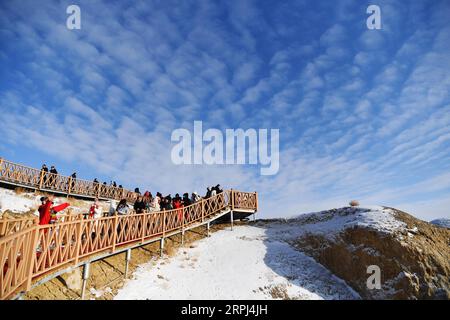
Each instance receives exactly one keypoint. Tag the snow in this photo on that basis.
(98, 293)
(26, 202)
(9, 200)
(250, 262)
(329, 223)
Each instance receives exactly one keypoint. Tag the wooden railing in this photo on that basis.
(13, 225)
(21, 175)
(38, 250)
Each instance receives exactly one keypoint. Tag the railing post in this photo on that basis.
(144, 224)
(182, 219)
(203, 209)
(3, 226)
(79, 239)
(116, 220)
(34, 240)
(69, 187)
(41, 179)
(164, 223)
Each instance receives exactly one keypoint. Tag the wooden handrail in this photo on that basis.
(29, 250)
(68, 243)
(17, 174)
(13, 225)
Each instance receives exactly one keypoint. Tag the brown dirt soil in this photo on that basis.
(109, 272)
(415, 264)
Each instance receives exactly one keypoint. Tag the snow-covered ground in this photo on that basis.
(9, 200)
(329, 223)
(26, 202)
(250, 262)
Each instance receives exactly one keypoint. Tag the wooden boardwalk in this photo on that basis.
(31, 254)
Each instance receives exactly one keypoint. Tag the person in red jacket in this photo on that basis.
(45, 210)
(177, 204)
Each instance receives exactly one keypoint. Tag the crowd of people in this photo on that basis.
(150, 203)
(144, 202)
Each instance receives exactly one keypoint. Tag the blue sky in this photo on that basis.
(363, 114)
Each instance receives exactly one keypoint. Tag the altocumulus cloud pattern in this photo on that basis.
(362, 113)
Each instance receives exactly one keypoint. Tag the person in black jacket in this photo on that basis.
(74, 179)
(139, 205)
(208, 193)
(186, 200)
(52, 178)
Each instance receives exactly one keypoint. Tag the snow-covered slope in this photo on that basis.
(240, 264)
(280, 259)
(413, 255)
(332, 222)
(17, 204)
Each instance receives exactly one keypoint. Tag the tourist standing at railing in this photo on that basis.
(139, 205)
(208, 193)
(112, 208)
(186, 200)
(74, 179)
(154, 205)
(96, 186)
(53, 172)
(169, 205)
(178, 204)
(44, 210)
(195, 197)
(95, 210)
(218, 189)
(122, 207)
